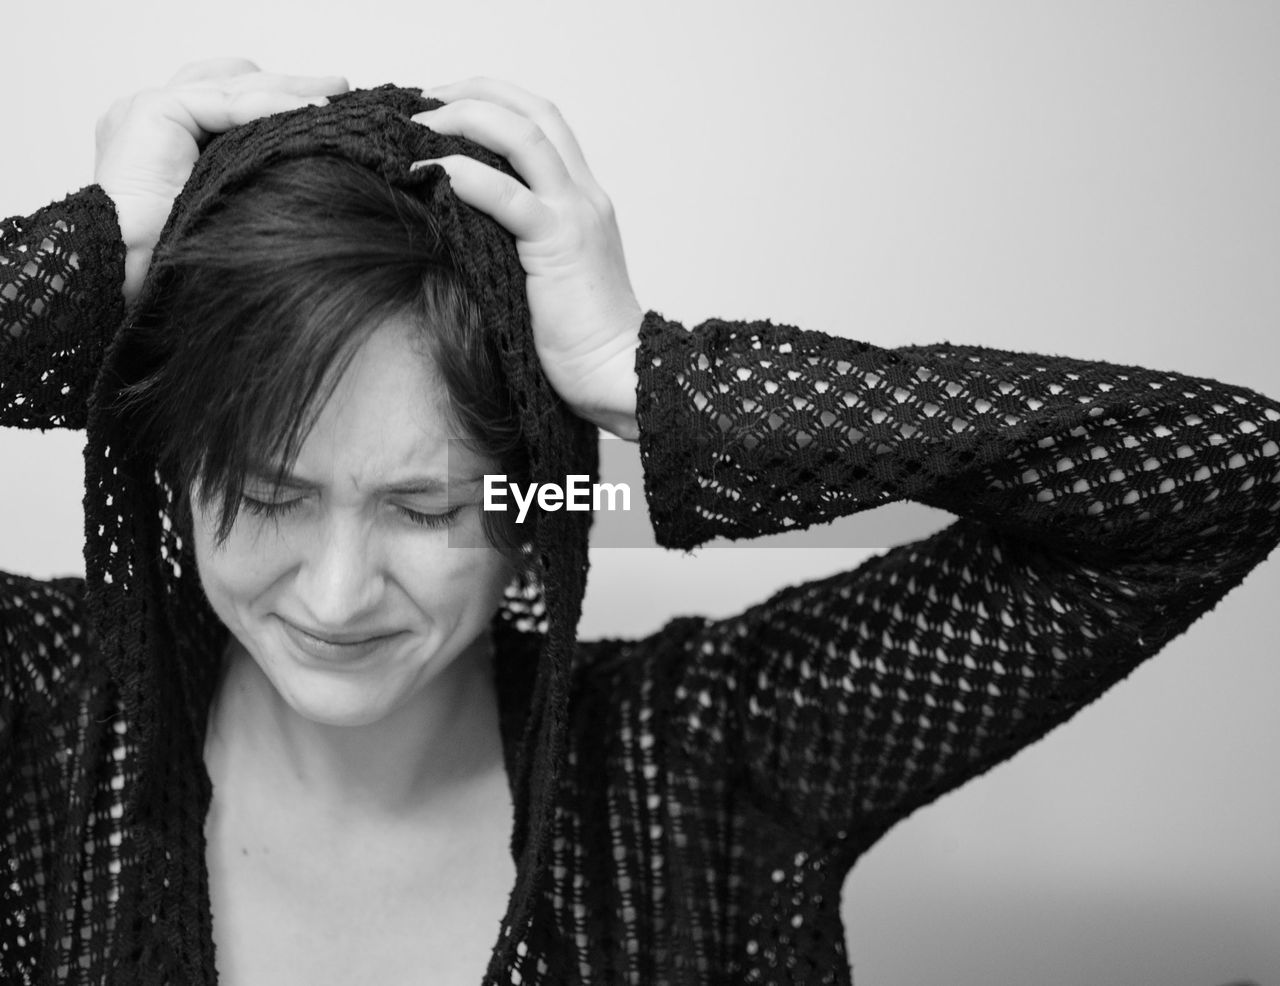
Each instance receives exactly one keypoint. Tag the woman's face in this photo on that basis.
(367, 575)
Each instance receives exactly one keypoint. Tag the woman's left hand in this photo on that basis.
(586, 320)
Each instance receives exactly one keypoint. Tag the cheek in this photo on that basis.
(237, 571)
(465, 560)
(467, 581)
(459, 573)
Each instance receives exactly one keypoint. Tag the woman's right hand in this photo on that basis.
(148, 143)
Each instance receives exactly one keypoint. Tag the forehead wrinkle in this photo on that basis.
(376, 471)
(388, 423)
(411, 484)
(373, 468)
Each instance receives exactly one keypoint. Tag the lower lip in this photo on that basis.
(331, 654)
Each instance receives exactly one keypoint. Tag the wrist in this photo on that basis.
(613, 403)
(137, 247)
(136, 263)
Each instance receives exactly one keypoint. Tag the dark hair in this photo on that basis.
(265, 303)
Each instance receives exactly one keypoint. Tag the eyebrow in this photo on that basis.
(411, 486)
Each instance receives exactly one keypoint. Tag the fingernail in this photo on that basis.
(420, 117)
(316, 101)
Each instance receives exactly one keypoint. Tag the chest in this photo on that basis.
(411, 904)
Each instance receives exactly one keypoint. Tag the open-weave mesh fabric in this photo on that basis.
(372, 128)
(1103, 509)
(52, 325)
(719, 778)
(143, 608)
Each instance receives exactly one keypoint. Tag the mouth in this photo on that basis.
(329, 648)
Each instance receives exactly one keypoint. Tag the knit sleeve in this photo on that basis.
(61, 272)
(1101, 510)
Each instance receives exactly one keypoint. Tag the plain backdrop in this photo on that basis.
(1097, 179)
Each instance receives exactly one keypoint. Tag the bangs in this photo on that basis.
(265, 305)
(255, 401)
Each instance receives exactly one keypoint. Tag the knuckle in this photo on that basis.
(248, 80)
(589, 218)
(111, 118)
(148, 100)
(602, 203)
(106, 125)
(244, 103)
(511, 194)
(532, 136)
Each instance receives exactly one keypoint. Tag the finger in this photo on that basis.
(299, 85)
(213, 68)
(216, 110)
(518, 139)
(516, 208)
(537, 108)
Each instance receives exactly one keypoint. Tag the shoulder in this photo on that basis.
(600, 663)
(56, 598)
(672, 695)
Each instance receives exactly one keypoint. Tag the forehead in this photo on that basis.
(388, 414)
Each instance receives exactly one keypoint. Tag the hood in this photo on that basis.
(151, 622)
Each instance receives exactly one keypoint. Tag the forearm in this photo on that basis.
(754, 428)
(616, 410)
(1103, 510)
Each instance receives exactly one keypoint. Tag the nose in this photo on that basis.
(341, 578)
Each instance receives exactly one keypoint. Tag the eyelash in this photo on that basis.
(263, 508)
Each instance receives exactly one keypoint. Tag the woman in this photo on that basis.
(307, 692)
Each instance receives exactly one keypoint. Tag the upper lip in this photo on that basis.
(340, 639)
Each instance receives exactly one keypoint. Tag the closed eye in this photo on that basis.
(431, 520)
(269, 508)
(279, 508)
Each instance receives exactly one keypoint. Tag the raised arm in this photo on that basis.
(1103, 509)
(67, 271)
(66, 274)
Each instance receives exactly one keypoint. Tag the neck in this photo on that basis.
(424, 753)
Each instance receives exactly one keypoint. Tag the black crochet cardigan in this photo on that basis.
(719, 778)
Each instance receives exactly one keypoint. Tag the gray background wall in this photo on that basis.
(1096, 179)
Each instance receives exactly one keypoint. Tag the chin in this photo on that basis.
(330, 703)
